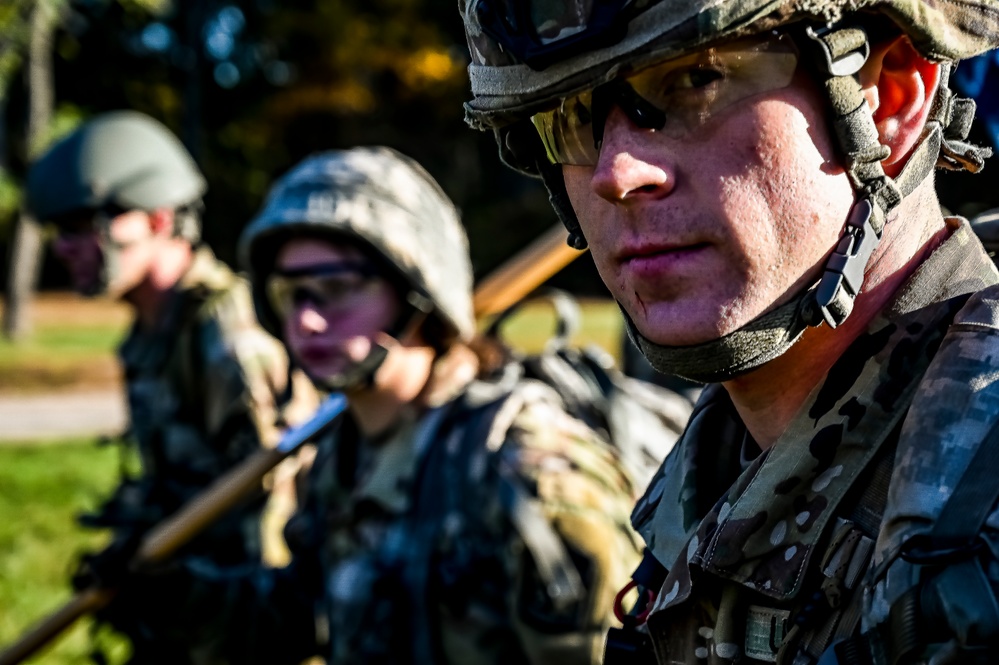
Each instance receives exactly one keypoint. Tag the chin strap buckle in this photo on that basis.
(844, 271)
(844, 50)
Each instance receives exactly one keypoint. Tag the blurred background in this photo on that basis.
(251, 87)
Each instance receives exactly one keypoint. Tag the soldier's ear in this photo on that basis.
(900, 86)
(161, 221)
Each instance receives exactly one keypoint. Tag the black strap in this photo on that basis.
(976, 494)
(869, 508)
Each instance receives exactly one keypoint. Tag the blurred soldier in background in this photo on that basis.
(448, 518)
(755, 182)
(206, 385)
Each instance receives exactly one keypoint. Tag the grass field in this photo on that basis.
(71, 346)
(43, 486)
(42, 489)
(600, 324)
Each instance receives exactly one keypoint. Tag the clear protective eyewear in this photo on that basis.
(330, 287)
(678, 97)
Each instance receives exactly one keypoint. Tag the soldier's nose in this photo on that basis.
(626, 171)
(310, 321)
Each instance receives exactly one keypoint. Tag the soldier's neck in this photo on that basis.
(394, 390)
(150, 296)
(770, 397)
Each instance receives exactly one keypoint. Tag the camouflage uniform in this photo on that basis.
(418, 546)
(206, 388)
(486, 526)
(491, 528)
(749, 544)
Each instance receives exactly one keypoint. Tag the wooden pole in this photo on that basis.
(526, 271)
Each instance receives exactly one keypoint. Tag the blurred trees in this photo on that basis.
(253, 86)
(38, 22)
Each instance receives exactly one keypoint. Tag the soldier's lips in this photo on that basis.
(317, 355)
(657, 261)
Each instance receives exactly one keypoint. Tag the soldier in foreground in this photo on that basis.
(447, 519)
(206, 385)
(755, 183)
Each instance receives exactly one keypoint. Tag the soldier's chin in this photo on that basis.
(343, 381)
(354, 376)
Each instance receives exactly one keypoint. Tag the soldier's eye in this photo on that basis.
(302, 295)
(695, 78)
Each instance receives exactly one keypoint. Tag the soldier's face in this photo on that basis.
(85, 248)
(697, 236)
(78, 248)
(334, 313)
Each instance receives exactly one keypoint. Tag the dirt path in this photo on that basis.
(61, 415)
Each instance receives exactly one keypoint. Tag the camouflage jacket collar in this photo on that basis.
(763, 530)
(206, 275)
(387, 472)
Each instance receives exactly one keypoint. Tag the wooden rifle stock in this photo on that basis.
(513, 280)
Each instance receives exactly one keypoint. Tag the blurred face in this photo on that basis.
(698, 233)
(118, 255)
(334, 306)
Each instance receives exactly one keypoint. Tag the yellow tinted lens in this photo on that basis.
(690, 90)
(279, 294)
(694, 89)
(567, 132)
(286, 293)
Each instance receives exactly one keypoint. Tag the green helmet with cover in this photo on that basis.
(385, 203)
(116, 162)
(545, 73)
(121, 160)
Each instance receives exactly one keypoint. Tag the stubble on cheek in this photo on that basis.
(761, 233)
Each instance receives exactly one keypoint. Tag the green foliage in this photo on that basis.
(10, 199)
(254, 87)
(14, 32)
(42, 489)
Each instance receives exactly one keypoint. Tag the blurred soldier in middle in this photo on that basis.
(448, 519)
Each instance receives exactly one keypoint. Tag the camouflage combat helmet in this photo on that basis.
(122, 160)
(385, 202)
(530, 55)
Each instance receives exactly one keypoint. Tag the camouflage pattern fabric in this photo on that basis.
(206, 388)
(750, 544)
(405, 549)
(484, 600)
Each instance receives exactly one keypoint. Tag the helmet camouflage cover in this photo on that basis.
(387, 203)
(506, 89)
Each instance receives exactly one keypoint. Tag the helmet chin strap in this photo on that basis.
(839, 54)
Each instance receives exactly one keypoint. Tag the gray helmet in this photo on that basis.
(385, 202)
(529, 55)
(121, 159)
